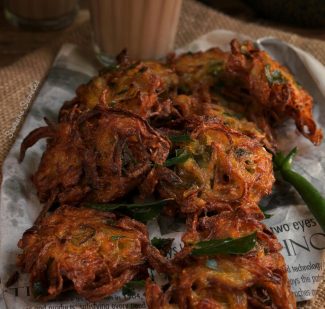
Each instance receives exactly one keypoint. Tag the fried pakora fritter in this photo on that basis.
(91, 252)
(194, 131)
(224, 169)
(229, 224)
(269, 88)
(138, 87)
(200, 69)
(257, 279)
(250, 76)
(236, 282)
(99, 157)
(204, 104)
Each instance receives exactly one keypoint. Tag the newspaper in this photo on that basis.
(302, 238)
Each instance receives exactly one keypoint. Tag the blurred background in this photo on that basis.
(302, 17)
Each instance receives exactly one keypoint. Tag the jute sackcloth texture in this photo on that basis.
(17, 80)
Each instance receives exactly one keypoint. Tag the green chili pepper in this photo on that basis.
(239, 245)
(312, 197)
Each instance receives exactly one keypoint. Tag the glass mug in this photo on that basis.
(41, 14)
(146, 28)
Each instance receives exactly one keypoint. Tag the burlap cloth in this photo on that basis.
(18, 79)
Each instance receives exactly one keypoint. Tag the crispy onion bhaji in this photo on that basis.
(200, 69)
(257, 279)
(204, 104)
(268, 90)
(189, 138)
(224, 169)
(99, 157)
(91, 252)
(139, 87)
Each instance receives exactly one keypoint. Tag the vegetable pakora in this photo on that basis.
(195, 132)
(223, 169)
(139, 87)
(251, 77)
(89, 251)
(255, 279)
(98, 157)
(225, 282)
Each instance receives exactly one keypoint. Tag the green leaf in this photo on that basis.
(215, 68)
(128, 289)
(180, 138)
(150, 204)
(267, 216)
(109, 207)
(140, 211)
(105, 207)
(146, 214)
(274, 77)
(239, 245)
(180, 158)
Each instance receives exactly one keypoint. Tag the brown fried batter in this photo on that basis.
(257, 279)
(229, 113)
(269, 89)
(200, 69)
(86, 250)
(138, 87)
(99, 157)
(229, 224)
(235, 283)
(194, 131)
(225, 169)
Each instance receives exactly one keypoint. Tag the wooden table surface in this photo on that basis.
(15, 43)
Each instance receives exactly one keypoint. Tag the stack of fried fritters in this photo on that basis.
(197, 131)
